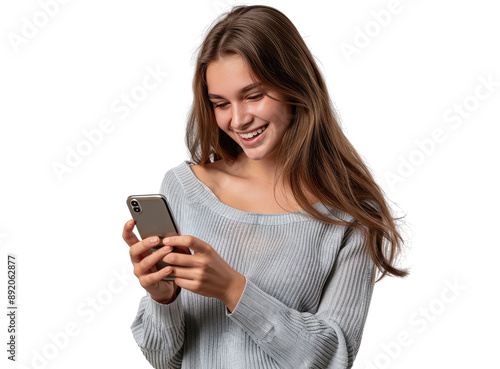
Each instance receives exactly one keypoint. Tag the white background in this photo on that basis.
(70, 69)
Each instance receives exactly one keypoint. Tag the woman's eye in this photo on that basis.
(220, 105)
(255, 97)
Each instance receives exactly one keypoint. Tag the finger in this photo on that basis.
(192, 242)
(188, 284)
(140, 250)
(147, 262)
(180, 259)
(185, 273)
(127, 234)
(152, 278)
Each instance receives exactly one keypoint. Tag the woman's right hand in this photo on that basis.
(144, 260)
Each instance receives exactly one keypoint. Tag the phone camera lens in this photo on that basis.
(134, 203)
(136, 209)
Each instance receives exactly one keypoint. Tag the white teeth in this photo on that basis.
(254, 133)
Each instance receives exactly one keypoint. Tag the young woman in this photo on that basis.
(283, 227)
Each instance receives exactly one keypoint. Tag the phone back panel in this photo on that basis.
(154, 218)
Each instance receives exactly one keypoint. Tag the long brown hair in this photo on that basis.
(314, 154)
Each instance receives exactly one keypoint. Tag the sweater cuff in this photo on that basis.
(168, 315)
(255, 311)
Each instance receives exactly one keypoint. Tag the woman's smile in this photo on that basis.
(253, 137)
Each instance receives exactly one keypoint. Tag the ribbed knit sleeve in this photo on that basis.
(329, 338)
(158, 329)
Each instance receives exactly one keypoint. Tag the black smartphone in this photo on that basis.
(153, 217)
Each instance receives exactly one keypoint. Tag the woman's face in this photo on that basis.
(241, 107)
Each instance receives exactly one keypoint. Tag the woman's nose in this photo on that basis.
(240, 117)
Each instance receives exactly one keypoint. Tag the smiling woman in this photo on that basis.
(241, 107)
(285, 223)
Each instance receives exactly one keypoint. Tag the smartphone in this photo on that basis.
(153, 217)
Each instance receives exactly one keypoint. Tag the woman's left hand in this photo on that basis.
(204, 272)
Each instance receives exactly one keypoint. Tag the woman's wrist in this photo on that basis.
(235, 291)
(169, 300)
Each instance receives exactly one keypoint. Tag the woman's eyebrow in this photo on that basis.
(242, 91)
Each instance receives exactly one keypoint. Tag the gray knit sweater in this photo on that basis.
(307, 294)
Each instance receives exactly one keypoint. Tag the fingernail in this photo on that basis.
(154, 240)
(166, 240)
(167, 248)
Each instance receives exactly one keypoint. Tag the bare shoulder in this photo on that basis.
(212, 174)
